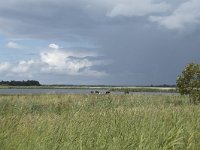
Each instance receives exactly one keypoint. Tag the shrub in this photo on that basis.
(188, 83)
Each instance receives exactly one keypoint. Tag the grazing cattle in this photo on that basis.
(97, 92)
(92, 92)
(107, 92)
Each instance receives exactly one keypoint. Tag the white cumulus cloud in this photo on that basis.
(4, 66)
(54, 46)
(54, 61)
(58, 61)
(23, 67)
(13, 45)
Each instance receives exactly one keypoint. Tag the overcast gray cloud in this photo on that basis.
(114, 41)
(137, 8)
(185, 17)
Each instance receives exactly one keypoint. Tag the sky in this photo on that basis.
(107, 42)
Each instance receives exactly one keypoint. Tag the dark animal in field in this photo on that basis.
(97, 92)
(107, 92)
(92, 92)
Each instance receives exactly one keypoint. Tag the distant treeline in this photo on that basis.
(20, 83)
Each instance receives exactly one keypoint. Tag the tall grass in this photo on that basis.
(89, 122)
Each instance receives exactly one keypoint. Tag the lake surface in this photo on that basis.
(71, 91)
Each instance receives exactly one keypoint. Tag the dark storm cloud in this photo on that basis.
(146, 42)
(43, 19)
(149, 55)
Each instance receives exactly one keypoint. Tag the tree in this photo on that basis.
(188, 83)
(20, 83)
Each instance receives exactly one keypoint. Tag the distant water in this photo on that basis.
(71, 91)
(44, 91)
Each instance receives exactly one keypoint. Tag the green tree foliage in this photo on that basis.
(20, 83)
(188, 83)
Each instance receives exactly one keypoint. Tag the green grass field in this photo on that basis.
(90, 122)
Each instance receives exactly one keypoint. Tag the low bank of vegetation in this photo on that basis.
(119, 89)
(87, 122)
(145, 89)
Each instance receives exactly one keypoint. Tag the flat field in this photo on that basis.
(90, 122)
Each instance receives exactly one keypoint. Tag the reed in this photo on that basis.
(87, 122)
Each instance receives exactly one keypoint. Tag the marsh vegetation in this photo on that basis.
(98, 122)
